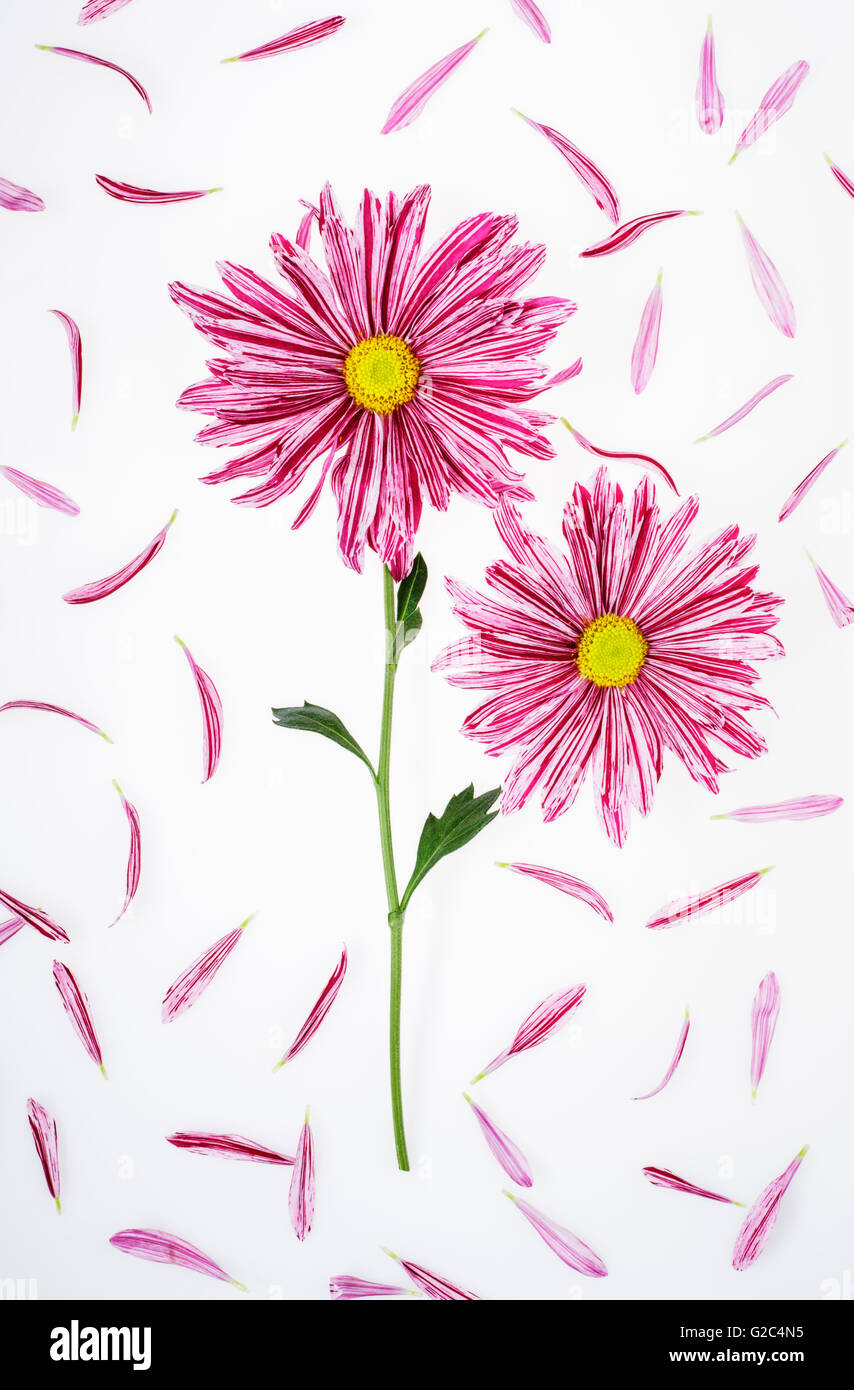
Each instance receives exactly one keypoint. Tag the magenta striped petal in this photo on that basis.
(99, 9)
(598, 186)
(763, 1021)
(775, 103)
(843, 179)
(567, 374)
(692, 908)
(565, 1245)
(101, 588)
(43, 1127)
(319, 1011)
(99, 62)
(709, 99)
(10, 928)
(677, 1057)
(227, 1146)
(797, 808)
(747, 407)
(651, 464)
(534, 18)
(75, 348)
(540, 1024)
(796, 498)
(76, 1005)
(134, 854)
(165, 1249)
(839, 605)
(434, 1285)
(15, 198)
(762, 1216)
(131, 193)
(309, 218)
(411, 103)
(768, 284)
(43, 494)
(34, 917)
(502, 1148)
(662, 1177)
(211, 713)
(630, 231)
(302, 1189)
(645, 350)
(564, 883)
(301, 37)
(192, 982)
(344, 1286)
(56, 709)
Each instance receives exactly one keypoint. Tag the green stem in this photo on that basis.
(395, 912)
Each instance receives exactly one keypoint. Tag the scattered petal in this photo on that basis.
(34, 917)
(702, 903)
(763, 1021)
(344, 1286)
(134, 854)
(43, 494)
(651, 464)
(645, 350)
(775, 103)
(534, 18)
(598, 186)
(847, 184)
(101, 588)
(76, 1005)
(302, 1189)
(662, 1177)
(677, 1057)
(565, 1245)
(565, 883)
(747, 407)
(300, 37)
(99, 62)
(10, 928)
(545, 1019)
(762, 1216)
(211, 713)
(165, 1249)
(15, 198)
(840, 607)
(411, 103)
(502, 1148)
(319, 1011)
(630, 231)
(43, 1127)
(800, 492)
(130, 193)
(797, 808)
(434, 1285)
(227, 1146)
(55, 709)
(183, 992)
(768, 284)
(710, 99)
(75, 347)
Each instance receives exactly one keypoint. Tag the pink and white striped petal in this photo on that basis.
(134, 866)
(709, 98)
(132, 193)
(645, 350)
(310, 217)
(348, 1286)
(567, 1246)
(768, 284)
(662, 1177)
(533, 16)
(43, 494)
(10, 928)
(76, 1005)
(232, 1146)
(409, 105)
(211, 713)
(685, 909)
(301, 37)
(319, 1011)
(763, 1021)
(797, 808)
(630, 231)
(839, 605)
(192, 982)
(56, 709)
(502, 1148)
(15, 198)
(748, 406)
(101, 63)
(101, 588)
(302, 1190)
(676, 1059)
(567, 374)
(162, 1248)
(841, 178)
(540, 1024)
(435, 1286)
(34, 917)
(94, 10)
(762, 1216)
(598, 186)
(75, 348)
(564, 883)
(650, 464)
(800, 492)
(775, 103)
(43, 1127)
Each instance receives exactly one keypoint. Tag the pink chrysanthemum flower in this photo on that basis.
(408, 374)
(600, 658)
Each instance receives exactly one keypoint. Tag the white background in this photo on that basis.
(286, 827)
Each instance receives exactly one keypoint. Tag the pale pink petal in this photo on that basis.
(502, 1148)
(775, 103)
(101, 588)
(630, 231)
(99, 62)
(132, 193)
(15, 198)
(566, 1246)
(839, 605)
(165, 1249)
(211, 713)
(763, 1021)
(677, 1057)
(709, 98)
(567, 374)
(43, 494)
(434, 1285)
(662, 1177)
(34, 917)
(800, 492)
(762, 1216)
(534, 18)
(318, 1012)
(192, 982)
(748, 406)
(768, 284)
(645, 350)
(227, 1146)
(841, 178)
(56, 709)
(565, 883)
(302, 1189)
(540, 1024)
(692, 908)
(134, 854)
(10, 928)
(652, 465)
(301, 37)
(409, 105)
(76, 1005)
(797, 808)
(43, 1127)
(598, 186)
(75, 348)
(345, 1286)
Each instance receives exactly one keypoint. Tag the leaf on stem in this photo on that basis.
(464, 817)
(314, 719)
(409, 594)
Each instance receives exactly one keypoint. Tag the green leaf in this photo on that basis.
(314, 719)
(464, 817)
(409, 595)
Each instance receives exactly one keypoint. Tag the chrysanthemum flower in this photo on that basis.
(407, 374)
(599, 658)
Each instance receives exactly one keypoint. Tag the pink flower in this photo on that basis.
(302, 1189)
(346, 1286)
(99, 62)
(677, 1057)
(55, 709)
(211, 713)
(762, 1216)
(434, 1285)
(839, 605)
(651, 464)
(748, 406)
(599, 658)
(131, 193)
(72, 333)
(43, 1127)
(15, 198)
(134, 854)
(701, 903)
(540, 1024)
(409, 105)
(301, 37)
(534, 18)
(565, 1245)
(662, 1177)
(409, 375)
(775, 103)
(227, 1146)
(798, 808)
(319, 1011)
(710, 98)
(630, 231)
(601, 189)
(763, 1021)
(76, 1005)
(183, 992)
(768, 284)
(43, 494)
(800, 492)
(841, 178)
(502, 1148)
(165, 1249)
(645, 350)
(565, 883)
(34, 917)
(101, 588)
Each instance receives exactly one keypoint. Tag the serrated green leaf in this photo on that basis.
(464, 817)
(314, 719)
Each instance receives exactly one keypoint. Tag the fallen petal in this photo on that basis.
(662, 1177)
(702, 903)
(43, 494)
(645, 350)
(839, 606)
(768, 284)
(165, 1249)
(101, 588)
(434, 1285)
(211, 713)
(131, 193)
(747, 407)
(99, 62)
(43, 1127)
(134, 854)
(75, 348)
(99, 9)
(34, 917)
(76, 1005)
(797, 808)
(630, 231)
(540, 1024)
(651, 464)
(775, 103)
(677, 1057)
(565, 1245)
(534, 18)
(10, 928)
(502, 1148)
(565, 883)
(55, 709)
(762, 1216)
(709, 98)
(409, 105)
(16, 198)
(843, 179)
(763, 1021)
(301, 37)
(227, 1146)
(598, 186)
(302, 1189)
(343, 1286)
(319, 1011)
(183, 992)
(803, 488)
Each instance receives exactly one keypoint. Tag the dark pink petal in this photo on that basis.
(165, 1249)
(534, 18)
(309, 218)
(768, 284)
(662, 1177)
(598, 186)
(762, 1216)
(76, 1005)
(34, 917)
(775, 103)
(301, 37)
(565, 883)
(565, 1245)
(540, 1024)
(183, 992)
(434, 1285)
(709, 99)
(651, 464)
(99, 9)
(43, 494)
(502, 1148)
(211, 713)
(763, 1021)
(839, 605)
(800, 492)
(15, 198)
(411, 103)
(134, 854)
(10, 928)
(75, 348)
(344, 1286)
(101, 588)
(56, 709)
(747, 407)
(302, 1189)
(645, 350)
(630, 231)
(130, 193)
(843, 179)
(798, 808)
(677, 1057)
(99, 62)
(43, 1127)
(319, 1011)
(227, 1146)
(692, 908)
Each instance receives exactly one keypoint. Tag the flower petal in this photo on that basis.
(677, 1057)
(15, 198)
(227, 1146)
(796, 498)
(345, 1286)
(43, 1127)
(76, 1005)
(434, 1285)
(839, 605)
(534, 18)
(768, 284)
(165, 1249)
(841, 178)
(55, 709)
(300, 37)
(132, 193)
(662, 1177)
(101, 588)
(701, 903)
(709, 98)
(502, 1147)
(630, 231)
(409, 105)
(540, 1024)
(598, 186)
(10, 928)
(192, 982)
(75, 348)
(565, 883)
(747, 407)
(34, 917)
(43, 494)
(645, 350)
(99, 62)
(566, 1246)
(651, 464)
(211, 713)
(134, 854)
(318, 1012)
(775, 103)
(302, 1189)
(762, 1216)
(763, 1021)
(797, 808)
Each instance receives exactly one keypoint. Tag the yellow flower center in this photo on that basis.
(381, 373)
(611, 651)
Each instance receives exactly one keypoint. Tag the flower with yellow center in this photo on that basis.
(381, 373)
(611, 651)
